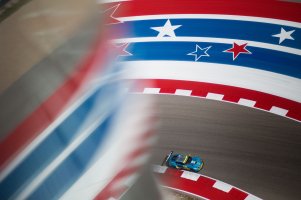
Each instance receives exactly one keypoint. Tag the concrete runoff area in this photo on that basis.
(256, 151)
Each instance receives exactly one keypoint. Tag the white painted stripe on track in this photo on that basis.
(183, 92)
(278, 111)
(190, 175)
(212, 16)
(222, 186)
(151, 90)
(214, 96)
(237, 76)
(210, 40)
(246, 102)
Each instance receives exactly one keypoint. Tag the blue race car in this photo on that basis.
(186, 162)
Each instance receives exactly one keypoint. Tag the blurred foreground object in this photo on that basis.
(77, 134)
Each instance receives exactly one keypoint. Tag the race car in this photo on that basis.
(186, 162)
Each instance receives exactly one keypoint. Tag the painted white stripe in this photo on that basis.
(246, 102)
(252, 197)
(279, 111)
(159, 169)
(58, 160)
(209, 40)
(258, 80)
(26, 151)
(215, 96)
(213, 16)
(183, 92)
(190, 175)
(222, 186)
(151, 90)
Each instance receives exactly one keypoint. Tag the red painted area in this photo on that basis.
(202, 187)
(232, 94)
(258, 8)
(238, 49)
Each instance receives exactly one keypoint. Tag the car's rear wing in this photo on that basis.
(167, 158)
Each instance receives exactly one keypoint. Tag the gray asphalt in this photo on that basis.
(254, 150)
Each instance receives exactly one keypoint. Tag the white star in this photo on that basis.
(283, 35)
(166, 30)
(199, 52)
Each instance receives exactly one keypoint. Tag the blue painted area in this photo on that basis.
(56, 142)
(263, 59)
(74, 166)
(216, 28)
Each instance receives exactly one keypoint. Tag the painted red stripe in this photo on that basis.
(258, 8)
(232, 94)
(49, 110)
(202, 187)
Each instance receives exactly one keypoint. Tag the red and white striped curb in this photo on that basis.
(246, 97)
(199, 185)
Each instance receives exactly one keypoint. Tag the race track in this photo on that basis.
(254, 150)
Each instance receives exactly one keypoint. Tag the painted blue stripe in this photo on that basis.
(74, 166)
(45, 152)
(53, 145)
(232, 29)
(264, 59)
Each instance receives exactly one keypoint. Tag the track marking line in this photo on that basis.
(246, 102)
(151, 90)
(222, 186)
(214, 96)
(212, 16)
(262, 45)
(278, 111)
(183, 92)
(190, 175)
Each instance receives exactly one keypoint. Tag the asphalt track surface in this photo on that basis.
(256, 151)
